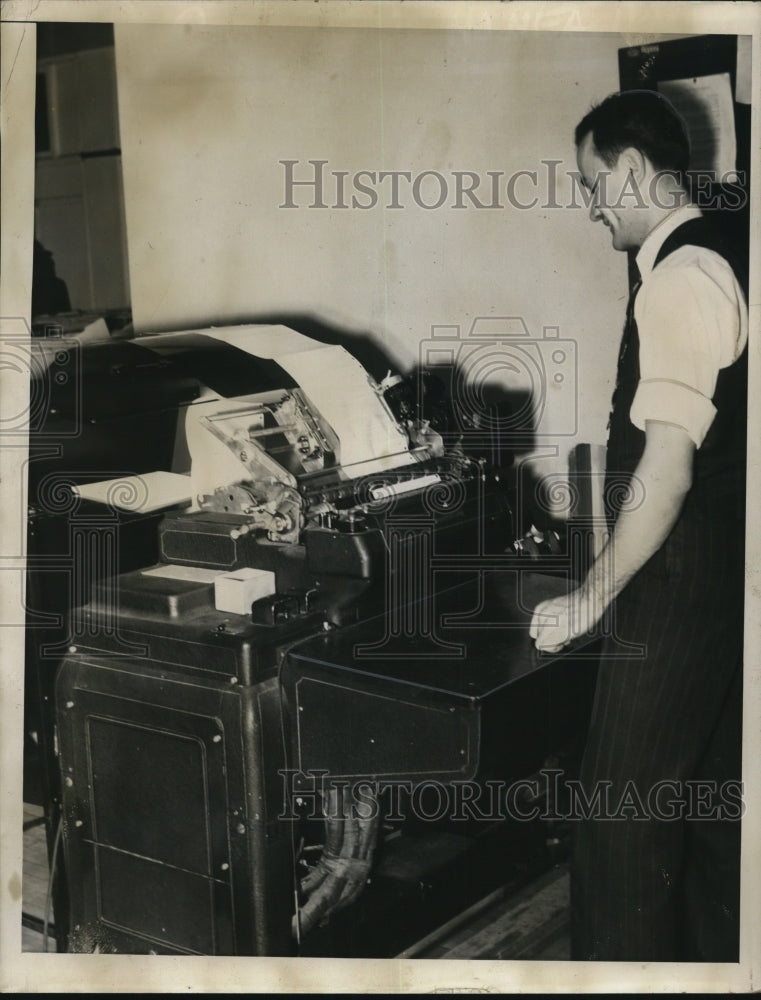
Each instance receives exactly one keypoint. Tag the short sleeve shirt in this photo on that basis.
(692, 321)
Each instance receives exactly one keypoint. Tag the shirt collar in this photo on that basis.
(658, 236)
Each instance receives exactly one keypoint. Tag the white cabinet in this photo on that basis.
(81, 102)
(79, 201)
(79, 218)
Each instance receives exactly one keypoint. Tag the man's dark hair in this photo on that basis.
(642, 119)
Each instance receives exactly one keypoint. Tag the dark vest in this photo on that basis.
(718, 489)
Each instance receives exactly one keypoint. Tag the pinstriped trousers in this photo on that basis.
(664, 738)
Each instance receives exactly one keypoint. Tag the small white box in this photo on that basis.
(236, 591)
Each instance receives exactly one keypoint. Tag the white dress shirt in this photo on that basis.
(692, 321)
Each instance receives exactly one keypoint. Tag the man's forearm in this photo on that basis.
(663, 477)
(637, 536)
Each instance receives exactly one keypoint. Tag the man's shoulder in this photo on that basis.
(708, 246)
(709, 234)
(691, 278)
(691, 256)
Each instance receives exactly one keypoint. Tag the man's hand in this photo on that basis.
(664, 477)
(560, 620)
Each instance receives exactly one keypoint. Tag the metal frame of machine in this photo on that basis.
(338, 598)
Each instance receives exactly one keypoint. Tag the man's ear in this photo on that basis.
(633, 161)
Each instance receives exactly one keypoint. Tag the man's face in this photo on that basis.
(616, 200)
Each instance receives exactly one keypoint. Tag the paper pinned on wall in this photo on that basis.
(705, 103)
(744, 77)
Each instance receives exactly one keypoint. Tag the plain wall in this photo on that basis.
(207, 113)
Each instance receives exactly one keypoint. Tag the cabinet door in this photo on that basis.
(83, 105)
(99, 113)
(79, 218)
(61, 224)
(104, 210)
(63, 80)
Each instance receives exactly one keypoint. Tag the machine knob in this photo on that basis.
(352, 522)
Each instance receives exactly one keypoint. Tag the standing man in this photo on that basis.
(655, 870)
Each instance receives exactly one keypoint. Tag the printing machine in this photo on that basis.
(320, 605)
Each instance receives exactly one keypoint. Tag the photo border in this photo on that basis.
(22, 972)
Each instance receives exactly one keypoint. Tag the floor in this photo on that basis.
(35, 883)
(530, 924)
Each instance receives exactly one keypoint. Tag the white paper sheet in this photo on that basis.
(197, 574)
(145, 493)
(337, 384)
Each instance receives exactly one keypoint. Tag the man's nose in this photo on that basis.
(594, 212)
